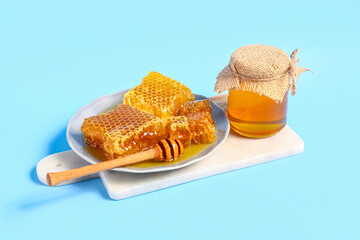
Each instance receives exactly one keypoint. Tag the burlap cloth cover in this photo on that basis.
(262, 69)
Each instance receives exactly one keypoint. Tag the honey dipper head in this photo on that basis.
(170, 149)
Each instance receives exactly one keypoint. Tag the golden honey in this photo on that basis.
(123, 131)
(253, 115)
(189, 152)
(158, 108)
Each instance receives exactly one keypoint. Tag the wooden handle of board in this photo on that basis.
(55, 178)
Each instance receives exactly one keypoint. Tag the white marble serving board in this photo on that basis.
(235, 153)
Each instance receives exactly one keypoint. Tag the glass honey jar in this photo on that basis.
(253, 115)
(258, 78)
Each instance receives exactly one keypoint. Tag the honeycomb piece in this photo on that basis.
(178, 128)
(159, 95)
(123, 131)
(200, 121)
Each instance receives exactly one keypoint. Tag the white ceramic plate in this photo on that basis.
(74, 135)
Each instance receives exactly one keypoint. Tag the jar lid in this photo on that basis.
(263, 69)
(259, 62)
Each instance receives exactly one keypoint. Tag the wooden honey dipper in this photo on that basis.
(165, 150)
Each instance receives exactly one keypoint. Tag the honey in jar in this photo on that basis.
(253, 115)
(258, 78)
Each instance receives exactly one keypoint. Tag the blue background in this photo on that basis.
(56, 56)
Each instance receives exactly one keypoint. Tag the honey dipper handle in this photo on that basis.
(55, 178)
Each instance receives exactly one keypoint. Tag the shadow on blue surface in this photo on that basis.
(34, 177)
(59, 144)
(68, 192)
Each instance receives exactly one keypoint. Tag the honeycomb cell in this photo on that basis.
(120, 135)
(159, 95)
